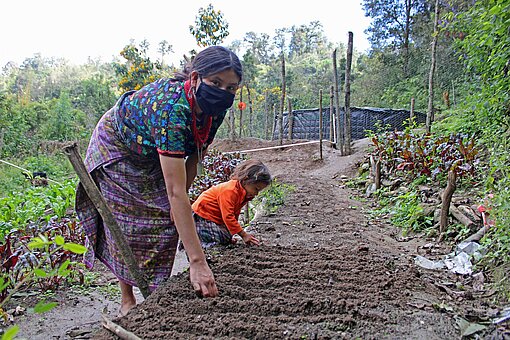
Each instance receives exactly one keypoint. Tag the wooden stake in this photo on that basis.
(347, 120)
(320, 123)
(447, 199)
(108, 218)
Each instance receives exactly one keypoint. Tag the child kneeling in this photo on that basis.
(216, 211)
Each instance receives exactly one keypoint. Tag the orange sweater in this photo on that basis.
(222, 204)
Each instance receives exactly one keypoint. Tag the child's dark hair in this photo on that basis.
(252, 171)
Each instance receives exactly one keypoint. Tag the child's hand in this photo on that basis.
(249, 239)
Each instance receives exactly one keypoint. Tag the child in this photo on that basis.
(216, 210)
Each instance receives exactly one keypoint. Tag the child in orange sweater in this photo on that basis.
(216, 210)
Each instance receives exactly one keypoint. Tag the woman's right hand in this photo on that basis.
(202, 280)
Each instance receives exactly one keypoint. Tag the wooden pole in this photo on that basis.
(241, 114)
(331, 119)
(275, 120)
(109, 221)
(430, 111)
(232, 117)
(347, 121)
(320, 123)
(250, 117)
(339, 130)
(290, 132)
(282, 103)
(266, 121)
(411, 114)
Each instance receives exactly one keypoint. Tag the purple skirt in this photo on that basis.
(134, 189)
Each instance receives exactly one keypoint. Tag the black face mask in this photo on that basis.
(213, 100)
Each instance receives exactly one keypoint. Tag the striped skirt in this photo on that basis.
(134, 189)
(210, 233)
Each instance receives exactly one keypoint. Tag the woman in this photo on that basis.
(143, 155)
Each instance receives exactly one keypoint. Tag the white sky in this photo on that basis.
(76, 30)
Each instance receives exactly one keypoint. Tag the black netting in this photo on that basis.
(306, 122)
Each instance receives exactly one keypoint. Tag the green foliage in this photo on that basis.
(406, 212)
(10, 333)
(273, 196)
(35, 205)
(210, 27)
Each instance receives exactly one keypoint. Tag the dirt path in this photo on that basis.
(325, 270)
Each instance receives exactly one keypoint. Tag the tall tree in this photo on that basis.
(391, 25)
(210, 27)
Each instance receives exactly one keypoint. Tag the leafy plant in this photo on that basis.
(273, 196)
(43, 268)
(218, 168)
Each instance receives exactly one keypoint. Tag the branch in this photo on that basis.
(118, 330)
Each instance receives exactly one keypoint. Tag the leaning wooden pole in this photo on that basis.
(320, 123)
(108, 218)
(347, 121)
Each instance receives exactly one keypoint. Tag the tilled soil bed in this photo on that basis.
(273, 292)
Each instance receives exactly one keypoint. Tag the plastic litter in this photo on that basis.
(458, 262)
(505, 315)
(428, 264)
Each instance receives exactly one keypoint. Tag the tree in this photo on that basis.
(138, 69)
(392, 24)
(163, 49)
(210, 27)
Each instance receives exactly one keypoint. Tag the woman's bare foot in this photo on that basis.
(124, 309)
(128, 299)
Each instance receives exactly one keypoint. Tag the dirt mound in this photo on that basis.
(280, 292)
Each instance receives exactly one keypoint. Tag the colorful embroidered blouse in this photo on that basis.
(157, 119)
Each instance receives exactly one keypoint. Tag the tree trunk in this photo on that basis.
(282, 102)
(339, 135)
(347, 122)
(407, 31)
(447, 200)
(290, 132)
(430, 111)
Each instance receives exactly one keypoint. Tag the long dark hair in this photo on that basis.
(252, 171)
(211, 60)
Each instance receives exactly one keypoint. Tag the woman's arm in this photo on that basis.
(191, 169)
(201, 276)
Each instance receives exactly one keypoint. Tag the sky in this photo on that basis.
(77, 29)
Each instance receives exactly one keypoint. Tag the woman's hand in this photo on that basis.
(202, 279)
